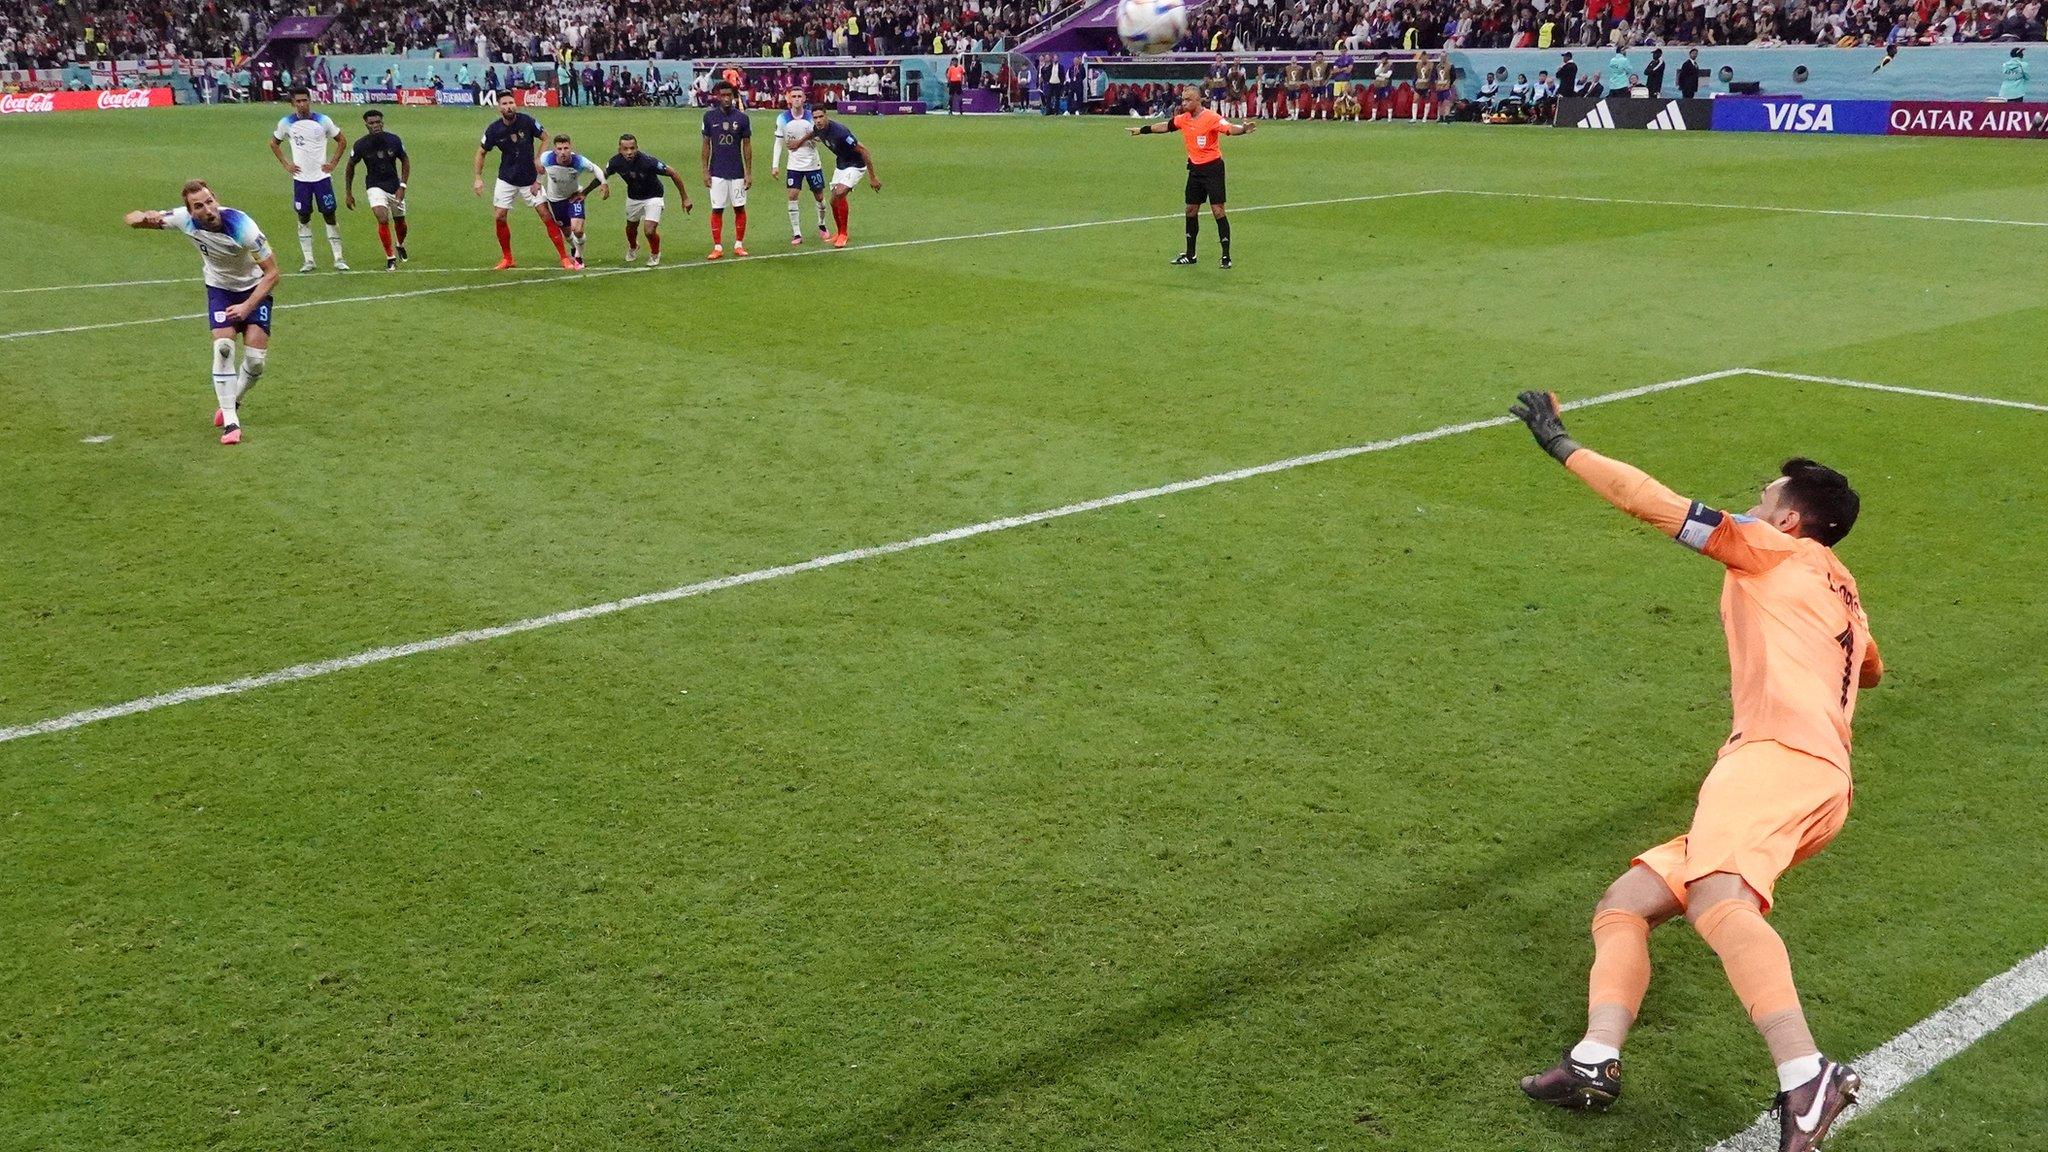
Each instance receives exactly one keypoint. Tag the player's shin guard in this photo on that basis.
(1620, 976)
(1760, 971)
(505, 238)
(224, 378)
(252, 367)
(1223, 235)
(796, 222)
(1194, 229)
(739, 226)
(384, 237)
(306, 241)
(334, 240)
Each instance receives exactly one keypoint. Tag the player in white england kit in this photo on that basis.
(792, 125)
(240, 272)
(562, 172)
(317, 144)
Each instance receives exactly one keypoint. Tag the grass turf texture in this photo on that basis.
(1267, 816)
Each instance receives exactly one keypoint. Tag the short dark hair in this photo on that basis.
(372, 114)
(561, 137)
(625, 136)
(1827, 506)
(302, 90)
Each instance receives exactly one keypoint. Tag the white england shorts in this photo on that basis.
(503, 194)
(648, 210)
(848, 177)
(728, 193)
(379, 198)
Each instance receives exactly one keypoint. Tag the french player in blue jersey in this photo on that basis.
(387, 169)
(643, 174)
(728, 167)
(851, 163)
(240, 271)
(517, 138)
(317, 143)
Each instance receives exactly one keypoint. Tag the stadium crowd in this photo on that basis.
(51, 33)
(684, 29)
(1304, 25)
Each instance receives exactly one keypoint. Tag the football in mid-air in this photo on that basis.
(1151, 26)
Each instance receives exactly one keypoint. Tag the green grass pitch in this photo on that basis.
(1265, 816)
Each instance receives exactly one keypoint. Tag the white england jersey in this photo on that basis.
(790, 129)
(228, 256)
(561, 181)
(308, 139)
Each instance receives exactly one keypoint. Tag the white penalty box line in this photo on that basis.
(388, 653)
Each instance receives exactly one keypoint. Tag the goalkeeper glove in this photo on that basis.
(1540, 412)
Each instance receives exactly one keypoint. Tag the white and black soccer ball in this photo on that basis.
(1148, 27)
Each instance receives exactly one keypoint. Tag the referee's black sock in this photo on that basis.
(1223, 234)
(1194, 226)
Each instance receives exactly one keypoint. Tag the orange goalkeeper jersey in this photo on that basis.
(1799, 643)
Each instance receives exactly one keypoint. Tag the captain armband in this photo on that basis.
(1699, 525)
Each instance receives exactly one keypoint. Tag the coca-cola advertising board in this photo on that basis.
(111, 100)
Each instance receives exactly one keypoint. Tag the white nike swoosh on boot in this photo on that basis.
(1820, 1098)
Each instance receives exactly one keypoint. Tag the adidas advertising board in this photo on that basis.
(1632, 112)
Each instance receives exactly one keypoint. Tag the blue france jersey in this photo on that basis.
(514, 143)
(725, 128)
(845, 148)
(229, 256)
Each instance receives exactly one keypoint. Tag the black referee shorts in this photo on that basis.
(1205, 183)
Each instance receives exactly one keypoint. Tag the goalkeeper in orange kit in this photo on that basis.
(1799, 647)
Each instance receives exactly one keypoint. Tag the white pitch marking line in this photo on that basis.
(782, 255)
(1920, 1049)
(197, 280)
(685, 591)
(95, 439)
(1855, 212)
(1893, 388)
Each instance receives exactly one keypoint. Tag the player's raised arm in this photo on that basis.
(145, 219)
(1161, 127)
(1244, 129)
(1702, 528)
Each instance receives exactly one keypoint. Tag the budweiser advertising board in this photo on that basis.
(13, 104)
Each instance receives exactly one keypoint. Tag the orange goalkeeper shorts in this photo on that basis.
(1763, 808)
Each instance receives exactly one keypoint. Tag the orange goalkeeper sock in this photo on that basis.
(1760, 970)
(1620, 976)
